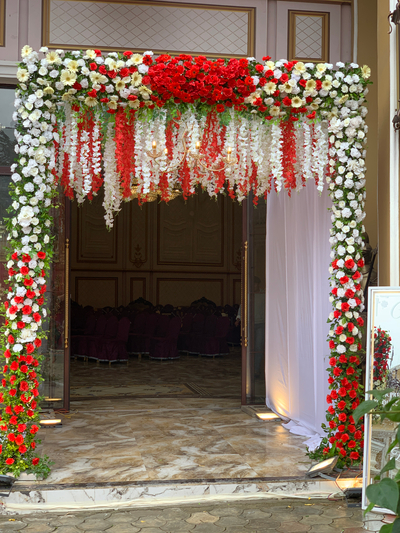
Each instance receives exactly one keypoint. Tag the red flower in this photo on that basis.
(26, 310)
(24, 270)
(93, 66)
(360, 263)
(34, 429)
(342, 417)
(345, 307)
(10, 339)
(328, 399)
(19, 439)
(38, 342)
(22, 448)
(30, 348)
(356, 275)
(350, 340)
(339, 330)
(350, 371)
(312, 115)
(354, 456)
(128, 53)
(9, 461)
(343, 280)
(35, 461)
(287, 101)
(20, 325)
(360, 321)
(24, 386)
(342, 358)
(220, 108)
(341, 405)
(36, 317)
(332, 361)
(21, 428)
(13, 420)
(342, 452)
(358, 435)
(349, 263)
(332, 344)
(28, 282)
(12, 392)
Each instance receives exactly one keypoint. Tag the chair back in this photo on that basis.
(100, 325)
(174, 327)
(198, 323)
(111, 326)
(162, 326)
(123, 329)
(187, 323)
(222, 327)
(90, 325)
(210, 325)
(151, 324)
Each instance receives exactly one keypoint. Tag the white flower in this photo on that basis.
(25, 216)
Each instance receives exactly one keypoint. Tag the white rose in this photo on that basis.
(25, 216)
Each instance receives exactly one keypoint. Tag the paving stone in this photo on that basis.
(177, 526)
(121, 518)
(307, 510)
(338, 512)
(347, 522)
(324, 529)
(283, 517)
(94, 525)
(98, 516)
(277, 508)
(68, 529)
(39, 528)
(316, 519)
(207, 528)
(374, 525)
(227, 521)
(12, 525)
(261, 523)
(149, 521)
(358, 530)
(175, 513)
(68, 519)
(251, 514)
(293, 527)
(202, 518)
(226, 511)
(122, 528)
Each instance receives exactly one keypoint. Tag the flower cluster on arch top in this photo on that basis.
(85, 120)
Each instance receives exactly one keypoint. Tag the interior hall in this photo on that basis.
(156, 299)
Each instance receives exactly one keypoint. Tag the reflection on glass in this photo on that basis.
(52, 388)
(383, 373)
(7, 125)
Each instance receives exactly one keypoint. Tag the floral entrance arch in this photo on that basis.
(167, 125)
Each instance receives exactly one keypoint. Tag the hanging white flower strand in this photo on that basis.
(112, 193)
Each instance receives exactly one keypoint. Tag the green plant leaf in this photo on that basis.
(385, 494)
(364, 408)
(390, 465)
(394, 417)
(388, 528)
(369, 508)
(392, 445)
(379, 394)
(396, 526)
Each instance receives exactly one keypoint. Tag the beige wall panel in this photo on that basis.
(236, 292)
(137, 289)
(192, 232)
(152, 25)
(96, 291)
(183, 291)
(93, 242)
(236, 236)
(138, 235)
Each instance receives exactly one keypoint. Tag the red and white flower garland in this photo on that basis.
(283, 122)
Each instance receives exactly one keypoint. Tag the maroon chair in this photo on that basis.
(135, 332)
(84, 342)
(198, 341)
(115, 349)
(90, 327)
(217, 344)
(183, 339)
(95, 348)
(196, 333)
(167, 347)
(143, 343)
(162, 326)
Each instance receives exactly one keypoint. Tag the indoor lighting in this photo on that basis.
(51, 422)
(323, 468)
(267, 416)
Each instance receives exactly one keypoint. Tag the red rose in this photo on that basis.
(19, 440)
(41, 255)
(337, 371)
(331, 410)
(328, 399)
(13, 420)
(34, 429)
(339, 330)
(342, 358)
(356, 275)
(22, 448)
(332, 345)
(341, 405)
(11, 437)
(220, 108)
(360, 263)
(30, 348)
(345, 437)
(345, 307)
(342, 417)
(33, 445)
(24, 386)
(35, 461)
(332, 361)
(354, 456)
(343, 280)
(350, 371)
(98, 53)
(358, 435)
(284, 78)
(334, 291)
(36, 317)
(337, 314)
(30, 413)
(26, 310)
(93, 66)
(349, 293)
(349, 263)
(342, 452)
(14, 256)
(334, 394)
(21, 428)
(28, 282)
(12, 392)
(38, 342)
(9, 461)
(350, 340)
(287, 101)
(20, 325)
(14, 366)
(360, 321)
(24, 270)
(10, 339)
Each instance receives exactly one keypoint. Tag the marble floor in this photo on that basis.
(153, 421)
(139, 439)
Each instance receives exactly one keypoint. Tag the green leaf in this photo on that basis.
(384, 494)
(393, 416)
(369, 508)
(396, 526)
(394, 443)
(364, 408)
(379, 394)
(388, 528)
(390, 465)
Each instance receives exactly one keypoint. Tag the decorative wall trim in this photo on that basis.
(299, 42)
(2, 22)
(8, 71)
(97, 278)
(190, 280)
(338, 2)
(134, 241)
(143, 280)
(205, 42)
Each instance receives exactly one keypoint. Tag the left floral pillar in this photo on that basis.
(29, 257)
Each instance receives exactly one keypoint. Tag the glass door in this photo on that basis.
(55, 370)
(253, 303)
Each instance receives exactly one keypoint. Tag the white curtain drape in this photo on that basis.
(297, 308)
